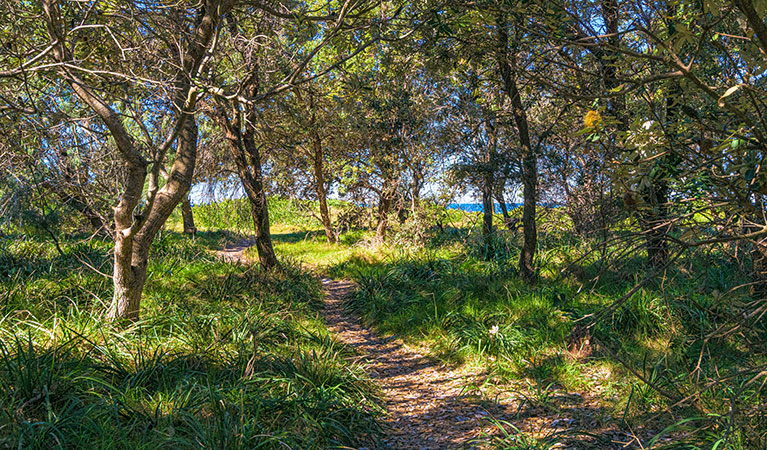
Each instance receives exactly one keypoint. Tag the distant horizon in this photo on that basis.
(198, 198)
(478, 207)
(204, 193)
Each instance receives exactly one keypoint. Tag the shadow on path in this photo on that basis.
(431, 406)
(425, 400)
(235, 252)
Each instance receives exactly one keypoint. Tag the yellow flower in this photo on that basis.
(592, 119)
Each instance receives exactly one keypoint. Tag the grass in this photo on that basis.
(466, 309)
(224, 356)
(285, 215)
(313, 248)
(231, 357)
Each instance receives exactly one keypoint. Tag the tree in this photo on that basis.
(507, 65)
(387, 123)
(260, 76)
(314, 129)
(79, 44)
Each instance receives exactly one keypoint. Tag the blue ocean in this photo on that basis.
(477, 207)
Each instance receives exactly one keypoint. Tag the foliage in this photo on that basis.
(225, 356)
(470, 310)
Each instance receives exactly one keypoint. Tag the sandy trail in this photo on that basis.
(427, 403)
(427, 409)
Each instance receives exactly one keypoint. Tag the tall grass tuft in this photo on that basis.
(224, 356)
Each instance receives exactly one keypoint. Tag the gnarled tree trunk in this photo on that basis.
(248, 159)
(318, 161)
(132, 247)
(239, 123)
(136, 228)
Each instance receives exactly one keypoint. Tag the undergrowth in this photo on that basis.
(232, 357)
(469, 307)
(223, 357)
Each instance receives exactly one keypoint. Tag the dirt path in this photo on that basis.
(427, 404)
(427, 409)
(235, 252)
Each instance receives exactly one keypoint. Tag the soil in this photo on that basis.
(426, 400)
(432, 405)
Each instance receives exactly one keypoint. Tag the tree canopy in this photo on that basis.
(643, 122)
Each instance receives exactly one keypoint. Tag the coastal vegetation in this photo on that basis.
(435, 224)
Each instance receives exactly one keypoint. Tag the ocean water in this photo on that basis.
(477, 207)
(468, 207)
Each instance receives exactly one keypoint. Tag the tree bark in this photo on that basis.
(252, 179)
(415, 194)
(132, 249)
(135, 228)
(318, 158)
(240, 130)
(385, 200)
(188, 217)
(507, 66)
(654, 223)
(504, 209)
(266, 256)
(530, 183)
(384, 205)
(130, 264)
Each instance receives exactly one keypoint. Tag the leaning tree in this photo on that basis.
(125, 63)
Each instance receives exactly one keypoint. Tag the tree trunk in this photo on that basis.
(253, 181)
(654, 220)
(266, 256)
(384, 207)
(507, 66)
(188, 217)
(415, 195)
(135, 230)
(530, 182)
(240, 131)
(504, 210)
(129, 278)
(385, 202)
(487, 217)
(319, 186)
(654, 223)
(655, 195)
